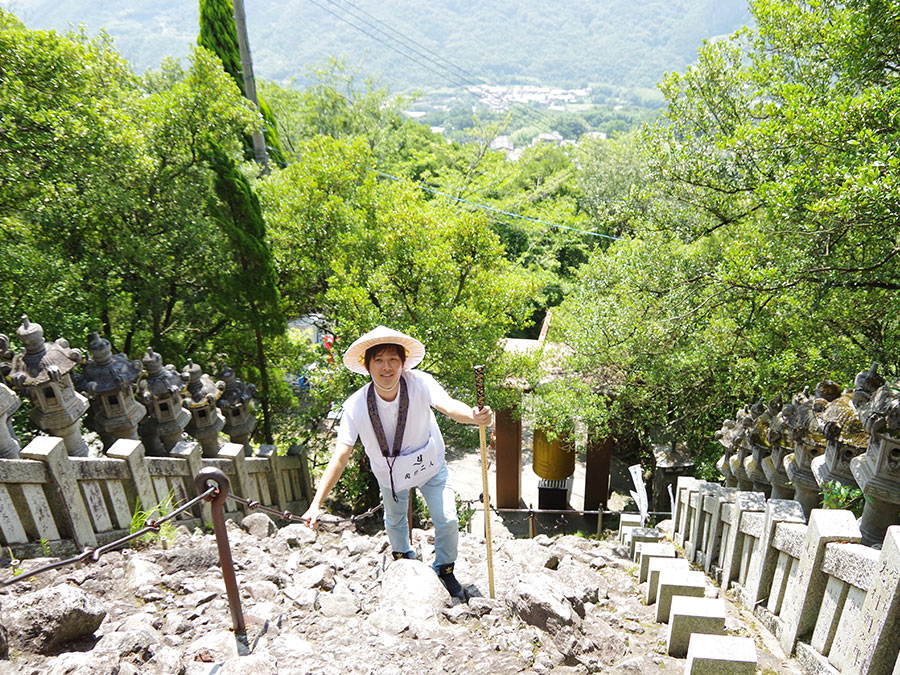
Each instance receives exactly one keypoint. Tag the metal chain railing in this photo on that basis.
(92, 554)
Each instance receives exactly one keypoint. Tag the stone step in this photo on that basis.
(720, 655)
(657, 565)
(691, 615)
(677, 582)
(650, 551)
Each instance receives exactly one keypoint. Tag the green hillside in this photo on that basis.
(557, 42)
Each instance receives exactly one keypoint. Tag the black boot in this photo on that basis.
(409, 555)
(445, 574)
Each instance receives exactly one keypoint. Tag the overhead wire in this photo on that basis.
(457, 79)
(487, 207)
(460, 77)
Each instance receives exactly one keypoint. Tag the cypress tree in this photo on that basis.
(251, 294)
(219, 35)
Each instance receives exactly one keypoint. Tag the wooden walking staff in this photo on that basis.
(479, 398)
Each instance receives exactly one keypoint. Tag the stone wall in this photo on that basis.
(73, 502)
(831, 601)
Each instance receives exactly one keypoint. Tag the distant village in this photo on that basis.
(500, 99)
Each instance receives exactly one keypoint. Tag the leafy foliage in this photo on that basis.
(838, 496)
(763, 255)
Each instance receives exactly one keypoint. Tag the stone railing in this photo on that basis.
(830, 600)
(51, 501)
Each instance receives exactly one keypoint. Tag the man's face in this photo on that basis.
(385, 368)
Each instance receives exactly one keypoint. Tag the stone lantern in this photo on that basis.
(877, 471)
(9, 403)
(807, 432)
(743, 450)
(43, 372)
(236, 404)
(725, 436)
(845, 439)
(107, 380)
(206, 420)
(779, 439)
(759, 444)
(672, 460)
(159, 389)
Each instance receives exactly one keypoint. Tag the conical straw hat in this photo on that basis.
(354, 357)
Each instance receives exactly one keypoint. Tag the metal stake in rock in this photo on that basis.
(479, 397)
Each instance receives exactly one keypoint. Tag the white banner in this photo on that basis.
(639, 494)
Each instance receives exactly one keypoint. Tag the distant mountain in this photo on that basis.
(573, 43)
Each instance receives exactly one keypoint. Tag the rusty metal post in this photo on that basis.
(218, 518)
(508, 432)
(596, 474)
(532, 523)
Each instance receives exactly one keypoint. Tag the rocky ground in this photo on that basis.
(334, 602)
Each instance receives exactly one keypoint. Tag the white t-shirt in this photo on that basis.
(424, 393)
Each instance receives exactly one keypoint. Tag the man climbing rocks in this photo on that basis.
(393, 418)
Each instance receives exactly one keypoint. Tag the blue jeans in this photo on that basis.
(441, 501)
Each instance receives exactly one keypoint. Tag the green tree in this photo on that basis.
(249, 297)
(218, 34)
(123, 168)
(764, 254)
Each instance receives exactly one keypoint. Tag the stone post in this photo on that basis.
(132, 452)
(9, 403)
(762, 566)
(732, 542)
(43, 372)
(874, 644)
(52, 452)
(806, 589)
(236, 404)
(206, 421)
(160, 392)
(878, 470)
(107, 381)
(242, 486)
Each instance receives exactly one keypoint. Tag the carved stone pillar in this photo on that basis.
(236, 404)
(742, 450)
(845, 439)
(725, 437)
(877, 471)
(809, 443)
(159, 389)
(759, 444)
(108, 381)
(206, 421)
(9, 403)
(43, 372)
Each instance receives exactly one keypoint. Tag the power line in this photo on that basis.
(415, 47)
(466, 75)
(493, 209)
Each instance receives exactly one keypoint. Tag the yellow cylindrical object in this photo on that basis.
(553, 460)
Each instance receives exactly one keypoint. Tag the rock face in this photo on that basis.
(336, 603)
(45, 620)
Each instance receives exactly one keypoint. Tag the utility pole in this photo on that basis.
(240, 22)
